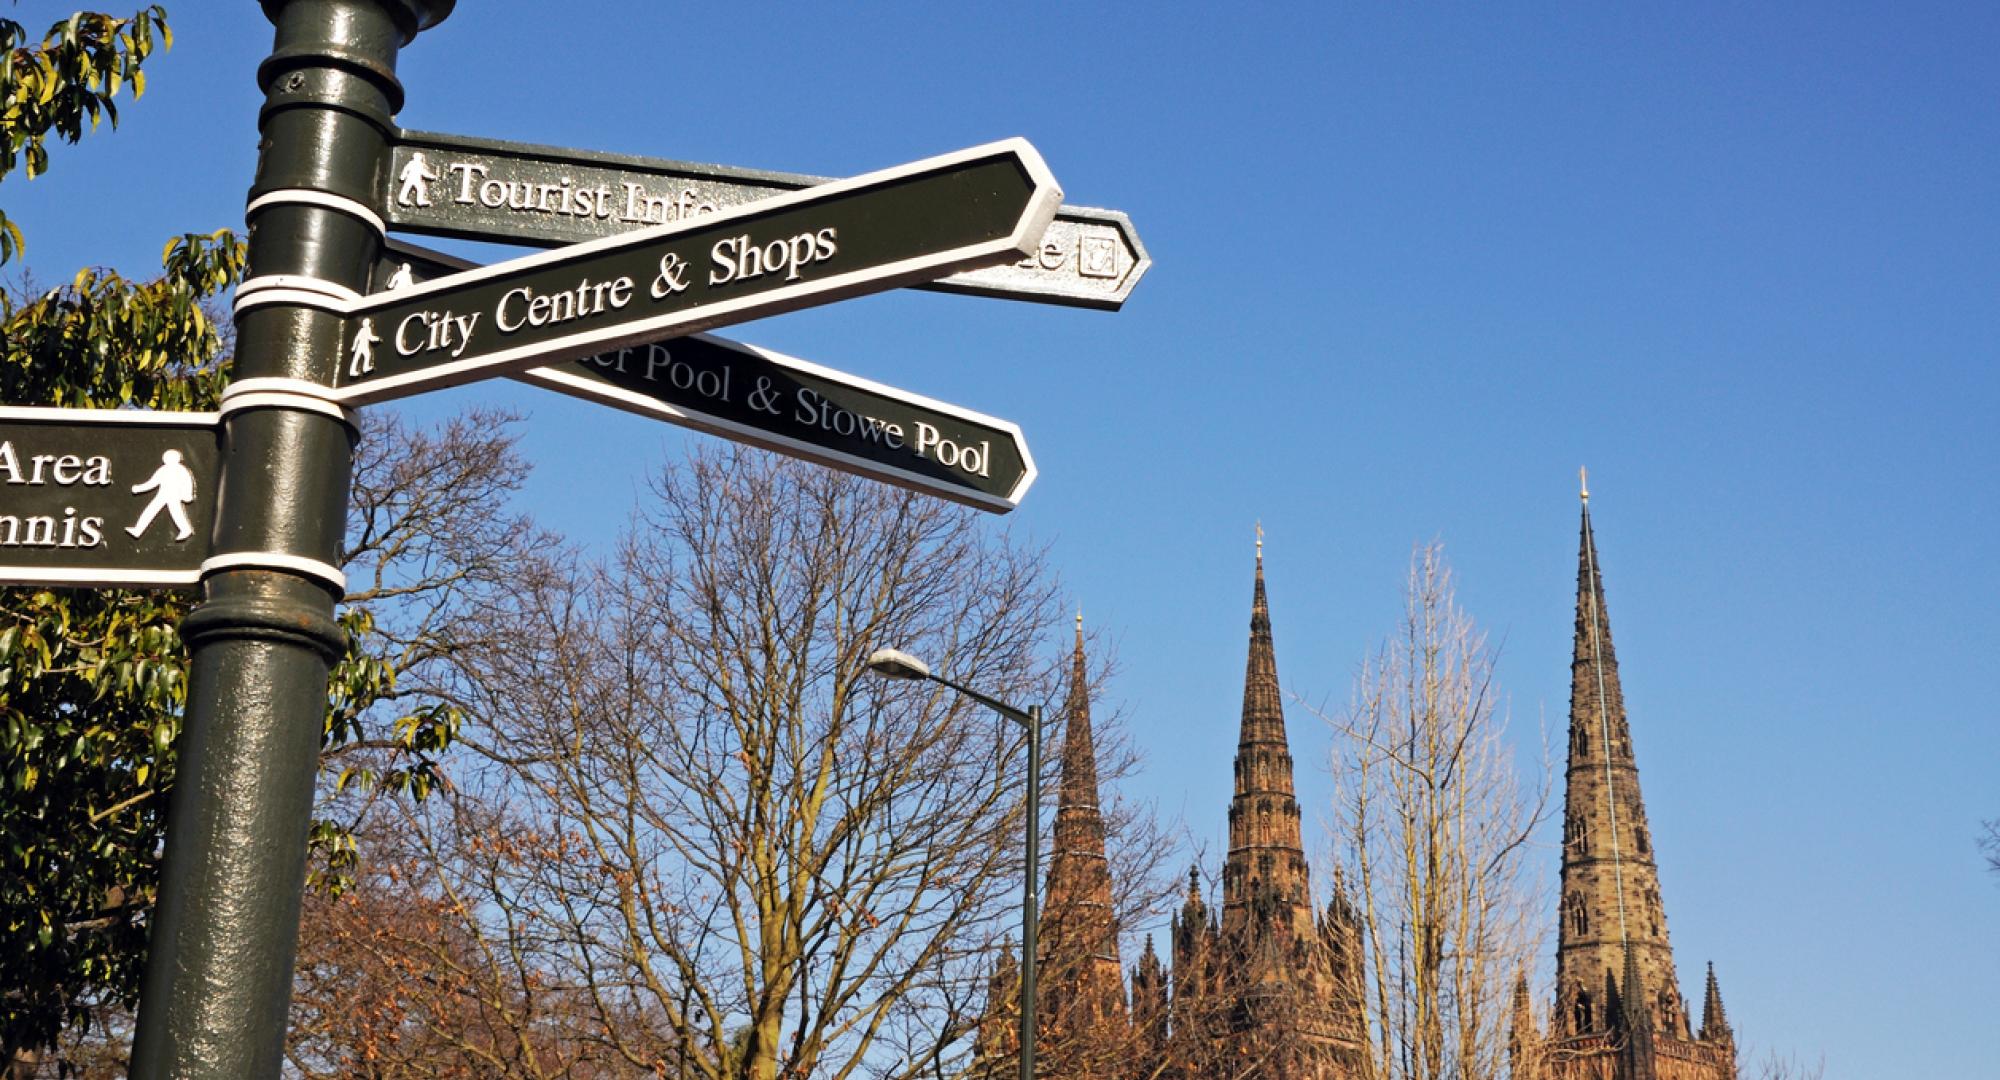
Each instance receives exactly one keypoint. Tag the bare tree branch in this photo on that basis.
(1436, 823)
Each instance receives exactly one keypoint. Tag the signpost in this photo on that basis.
(106, 497)
(249, 501)
(885, 229)
(516, 193)
(785, 404)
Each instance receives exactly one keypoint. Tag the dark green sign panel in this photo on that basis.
(879, 231)
(106, 497)
(505, 192)
(785, 404)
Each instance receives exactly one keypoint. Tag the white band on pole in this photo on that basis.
(297, 281)
(272, 560)
(281, 393)
(308, 197)
(312, 298)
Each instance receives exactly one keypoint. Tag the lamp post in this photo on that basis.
(897, 664)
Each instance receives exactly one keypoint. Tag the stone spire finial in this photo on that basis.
(1632, 988)
(998, 1020)
(1150, 1009)
(1523, 1037)
(1714, 1022)
(1636, 1001)
(1522, 1031)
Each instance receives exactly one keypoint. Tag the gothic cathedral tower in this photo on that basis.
(1271, 986)
(1618, 1013)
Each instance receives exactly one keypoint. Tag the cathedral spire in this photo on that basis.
(1266, 855)
(1611, 914)
(1079, 934)
(1269, 989)
(1619, 1013)
(1263, 706)
(1079, 765)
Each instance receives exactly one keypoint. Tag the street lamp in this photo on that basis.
(897, 664)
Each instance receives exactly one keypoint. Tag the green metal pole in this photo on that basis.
(218, 979)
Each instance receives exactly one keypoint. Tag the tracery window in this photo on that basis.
(1576, 832)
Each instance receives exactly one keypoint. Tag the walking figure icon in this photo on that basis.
(410, 190)
(172, 485)
(361, 354)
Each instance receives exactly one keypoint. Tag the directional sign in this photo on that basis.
(504, 192)
(782, 403)
(785, 404)
(106, 497)
(911, 223)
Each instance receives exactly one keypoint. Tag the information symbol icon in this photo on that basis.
(1097, 257)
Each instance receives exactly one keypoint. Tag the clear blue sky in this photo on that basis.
(1413, 268)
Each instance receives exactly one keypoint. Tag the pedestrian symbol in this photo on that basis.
(361, 354)
(173, 488)
(412, 180)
